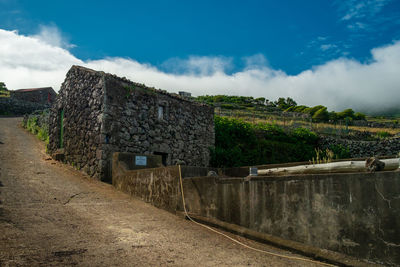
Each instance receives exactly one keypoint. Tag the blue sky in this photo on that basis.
(292, 35)
(207, 38)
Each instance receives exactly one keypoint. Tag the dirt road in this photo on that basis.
(53, 215)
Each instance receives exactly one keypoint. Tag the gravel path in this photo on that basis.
(53, 215)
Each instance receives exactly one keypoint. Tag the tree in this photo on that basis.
(333, 116)
(347, 113)
(321, 115)
(359, 116)
(313, 109)
(284, 104)
(3, 86)
(260, 100)
(300, 108)
(290, 102)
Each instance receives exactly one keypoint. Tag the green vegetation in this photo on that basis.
(339, 151)
(318, 113)
(383, 134)
(32, 124)
(242, 144)
(129, 90)
(322, 156)
(3, 90)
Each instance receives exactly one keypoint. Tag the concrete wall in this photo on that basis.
(354, 214)
(158, 186)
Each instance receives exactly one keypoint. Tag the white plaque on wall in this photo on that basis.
(140, 160)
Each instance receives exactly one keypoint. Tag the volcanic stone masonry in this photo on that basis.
(45, 95)
(97, 114)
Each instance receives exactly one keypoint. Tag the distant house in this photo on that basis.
(96, 114)
(45, 95)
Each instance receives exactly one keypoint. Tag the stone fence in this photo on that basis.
(11, 106)
(324, 215)
(374, 124)
(361, 149)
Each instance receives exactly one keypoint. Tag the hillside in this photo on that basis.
(286, 113)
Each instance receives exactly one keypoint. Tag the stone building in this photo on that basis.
(97, 114)
(45, 95)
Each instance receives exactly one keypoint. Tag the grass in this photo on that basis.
(41, 133)
(4, 93)
(321, 128)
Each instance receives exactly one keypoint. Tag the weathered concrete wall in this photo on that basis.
(81, 98)
(355, 214)
(359, 149)
(158, 186)
(11, 106)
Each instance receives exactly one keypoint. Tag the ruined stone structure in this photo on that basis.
(45, 95)
(96, 114)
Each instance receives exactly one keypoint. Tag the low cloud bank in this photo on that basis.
(373, 86)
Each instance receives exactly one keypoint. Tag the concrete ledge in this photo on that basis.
(309, 251)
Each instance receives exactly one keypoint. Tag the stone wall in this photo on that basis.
(104, 114)
(361, 149)
(389, 124)
(10, 106)
(132, 124)
(81, 99)
(45, 95)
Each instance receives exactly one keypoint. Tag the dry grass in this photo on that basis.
(317, 127)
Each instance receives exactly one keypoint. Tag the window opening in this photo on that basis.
(161, 111)
(164, 157)
(61, 119)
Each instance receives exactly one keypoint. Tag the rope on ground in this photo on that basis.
(236, 241)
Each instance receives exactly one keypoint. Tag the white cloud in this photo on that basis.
(51, 35)
(255, 61)
(326, 47)
(28, 62)
(360, 9)
(196, 65)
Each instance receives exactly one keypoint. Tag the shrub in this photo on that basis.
(383, 134)
(238, 143)
(359, 116)
(321, 115)
(312, 110)
(36, 124)
(340, 151)
(347, 113)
